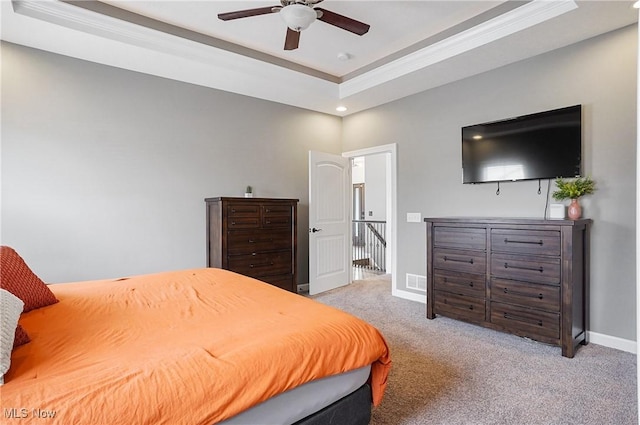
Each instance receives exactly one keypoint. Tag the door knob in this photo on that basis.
(315, 230)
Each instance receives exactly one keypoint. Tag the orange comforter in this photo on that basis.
(189, 347)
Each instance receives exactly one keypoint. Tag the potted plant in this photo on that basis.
(574, 190)
(248, 193)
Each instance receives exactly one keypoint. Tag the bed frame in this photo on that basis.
(352, 409)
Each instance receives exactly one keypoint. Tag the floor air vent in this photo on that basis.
(417, 282)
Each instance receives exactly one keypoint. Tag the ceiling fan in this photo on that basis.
(298, 15)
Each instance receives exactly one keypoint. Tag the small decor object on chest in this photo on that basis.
(574, 190)
(248, 193)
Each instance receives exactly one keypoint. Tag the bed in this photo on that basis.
(199, 346)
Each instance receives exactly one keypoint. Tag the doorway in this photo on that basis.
(368, 216)
(373, 211)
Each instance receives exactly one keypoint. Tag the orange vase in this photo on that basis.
(575, 210)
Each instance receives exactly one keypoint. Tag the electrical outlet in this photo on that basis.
(413, 217)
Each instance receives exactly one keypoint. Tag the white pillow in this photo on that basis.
(10, 310)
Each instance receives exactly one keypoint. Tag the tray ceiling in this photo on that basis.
(412, 45)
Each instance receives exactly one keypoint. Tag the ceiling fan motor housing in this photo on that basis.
(298, 16)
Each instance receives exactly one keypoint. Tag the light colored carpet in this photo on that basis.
(449, 372)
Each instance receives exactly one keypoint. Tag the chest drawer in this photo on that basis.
(462, 261)
(243, 210)
(262, 264)
(536, 242)
(276, 216)
(535, 324)
(531, 269)
(284, 281)
(459, 306)
(460, 237)
(248, 242)
(460, 283)
(243, 216)
(544, 297)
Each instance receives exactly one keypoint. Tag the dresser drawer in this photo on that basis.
(281, 281)
(462, 261)
(536, 242)
(235, 210)
(543, 297)
(459, 283)
(534, 324)
(459, 306)
(531, 269)
(459, 237)
(276, 216)
(243, 216)
(244, 223)
(248, 242)
(262, 264)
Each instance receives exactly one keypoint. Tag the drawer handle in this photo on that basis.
(260, 265)
(268, 221)
(446, 280)
(526, 242)
(455, 260)
(522, 294)
(535, 269)
(511, 317)
(446, 301)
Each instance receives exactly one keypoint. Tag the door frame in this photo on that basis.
(391, 203)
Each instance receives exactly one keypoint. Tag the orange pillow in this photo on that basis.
(21, 337)
(17, 278)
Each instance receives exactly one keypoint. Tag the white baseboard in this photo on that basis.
(613, 342)
(594, 337)
(412, 296)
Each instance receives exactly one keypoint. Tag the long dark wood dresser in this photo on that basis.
(523, 276)
(255, 237)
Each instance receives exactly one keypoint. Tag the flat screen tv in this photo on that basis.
(545, 145)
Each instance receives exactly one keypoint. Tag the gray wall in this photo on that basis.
(375, 188)
(105, 171)
(601, 75)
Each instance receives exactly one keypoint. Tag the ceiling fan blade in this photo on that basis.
(246, 13)
(343, 22)
(291, 40)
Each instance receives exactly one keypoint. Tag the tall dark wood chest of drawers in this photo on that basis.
(526, 277)
(255, 237)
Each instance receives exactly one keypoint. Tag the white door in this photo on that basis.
(329, 222)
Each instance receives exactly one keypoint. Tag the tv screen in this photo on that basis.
(545, 145)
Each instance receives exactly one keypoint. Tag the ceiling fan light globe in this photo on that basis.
(298, 16)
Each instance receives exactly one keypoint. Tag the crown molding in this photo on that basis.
(521, 18)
